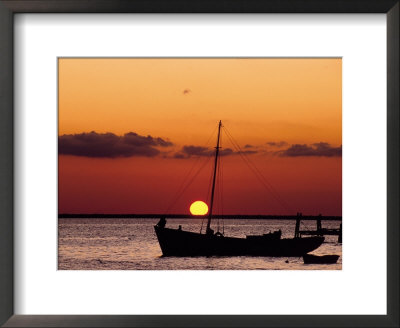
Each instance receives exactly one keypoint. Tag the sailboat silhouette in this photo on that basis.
(177, 242)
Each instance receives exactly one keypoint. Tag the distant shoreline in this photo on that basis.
(187, 216)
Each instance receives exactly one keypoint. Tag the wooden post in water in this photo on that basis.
(297, 229)
(319, 225)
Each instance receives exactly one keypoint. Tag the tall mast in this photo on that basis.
(208, 230)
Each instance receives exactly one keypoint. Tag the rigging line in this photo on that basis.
(196, 174)
(222, 198)
(175, 199)
(221, 180)
(209, 183)
(257, 173)
(212, 134)
(216, 196)
(191, 181)
(208, 194)
(219, 190)
(246, 158)
(178, 192)
(181, 186)
(222, 187)
(288, 207)
(266, 183)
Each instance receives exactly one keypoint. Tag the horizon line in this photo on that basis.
(179, 216)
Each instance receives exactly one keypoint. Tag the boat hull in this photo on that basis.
(175, 242)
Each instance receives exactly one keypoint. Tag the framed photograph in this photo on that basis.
(199, 164)
(208, 205)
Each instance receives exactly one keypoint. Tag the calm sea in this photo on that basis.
(131, 244)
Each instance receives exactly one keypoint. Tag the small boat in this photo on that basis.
(177, 242)
(316, 259)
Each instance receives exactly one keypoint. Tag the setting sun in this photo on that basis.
(198, 208)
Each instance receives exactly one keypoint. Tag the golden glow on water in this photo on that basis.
(198, 208)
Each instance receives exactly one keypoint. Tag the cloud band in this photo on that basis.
(109, 145)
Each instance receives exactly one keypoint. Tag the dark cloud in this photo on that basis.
(249, 152)
(316, 149)
(187, 91)
(196, 151)
(277, 144)
(226, 151)
(248, 146)
(109, 145)
(188, 151)
(180, 155)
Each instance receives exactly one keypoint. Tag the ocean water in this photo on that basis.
(131, 244)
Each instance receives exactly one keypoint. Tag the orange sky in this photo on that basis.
(260, 101)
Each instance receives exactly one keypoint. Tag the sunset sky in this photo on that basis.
(134, 132)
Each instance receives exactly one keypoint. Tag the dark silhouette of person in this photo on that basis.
(210, 232)
(161, 224)
(180, 228)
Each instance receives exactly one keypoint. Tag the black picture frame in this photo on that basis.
(10, 7)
